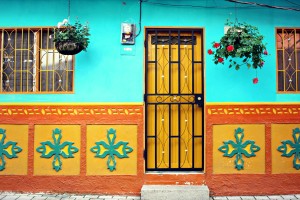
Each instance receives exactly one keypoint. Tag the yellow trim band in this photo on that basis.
(73, 103)
(251, 103)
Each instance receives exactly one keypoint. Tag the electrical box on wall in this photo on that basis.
(127, 33)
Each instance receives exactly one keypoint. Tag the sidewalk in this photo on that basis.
(46, 196)
(271, 197)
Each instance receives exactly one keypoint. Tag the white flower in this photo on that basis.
(65, 21)
(59, 24)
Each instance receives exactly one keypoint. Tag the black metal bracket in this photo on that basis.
(199, 100)
(144, 154)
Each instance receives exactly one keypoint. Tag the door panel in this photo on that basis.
(174, 100)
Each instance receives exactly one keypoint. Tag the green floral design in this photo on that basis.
(9, 149)
(66, 149)
(288, 144)
(239, 148)
(102, 149)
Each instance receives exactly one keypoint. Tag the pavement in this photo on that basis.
(51, 196)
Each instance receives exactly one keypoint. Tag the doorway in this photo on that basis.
(174, 99)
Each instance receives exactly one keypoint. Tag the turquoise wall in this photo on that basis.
(105, 74)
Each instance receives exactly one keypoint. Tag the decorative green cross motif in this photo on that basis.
(288, 148)
(10, 149)
(49, 149)
(111, 149)
(230, 148)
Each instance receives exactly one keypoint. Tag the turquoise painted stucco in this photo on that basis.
(105, 74)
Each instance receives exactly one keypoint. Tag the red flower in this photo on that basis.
(266, 52)
(230, 48)
(255, 80)
(261, 63)
(216, 45)
(210, 51)
(220, 60)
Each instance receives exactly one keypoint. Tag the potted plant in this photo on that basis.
(71, 39)
(241, 45)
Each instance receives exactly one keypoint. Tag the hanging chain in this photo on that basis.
(235, 14)
(69, 10)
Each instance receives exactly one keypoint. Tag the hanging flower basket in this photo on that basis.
(71, 39)
(68, 47)
(241, 45)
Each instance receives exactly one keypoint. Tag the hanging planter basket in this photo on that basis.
(71, 39)
(68, 47)
(241, 45)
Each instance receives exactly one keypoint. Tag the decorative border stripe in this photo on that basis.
(137, 110)
(253, 110)
(68, 110)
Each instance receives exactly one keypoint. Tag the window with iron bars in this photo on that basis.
(288, 60)
(31, 64)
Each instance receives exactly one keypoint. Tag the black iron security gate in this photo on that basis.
(174, 99)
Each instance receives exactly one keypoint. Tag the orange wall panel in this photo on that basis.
(249, 184)
(78, 116)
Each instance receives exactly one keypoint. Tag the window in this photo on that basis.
(288, 60)
(30, 62)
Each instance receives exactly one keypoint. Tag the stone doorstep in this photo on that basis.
(172, 192)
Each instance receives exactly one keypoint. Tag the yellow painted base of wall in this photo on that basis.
(19, 134)
(225, 165)
(124, 166)
(43, 166)
(281, 164)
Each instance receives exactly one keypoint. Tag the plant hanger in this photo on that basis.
(242, 44)
(71, 39)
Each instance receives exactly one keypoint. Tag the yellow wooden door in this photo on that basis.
(174, 100)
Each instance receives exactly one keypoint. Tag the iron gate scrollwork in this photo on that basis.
(174, 100)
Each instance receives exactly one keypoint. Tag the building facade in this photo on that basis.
(149, 107)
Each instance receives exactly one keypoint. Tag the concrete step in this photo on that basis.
(175, 192)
